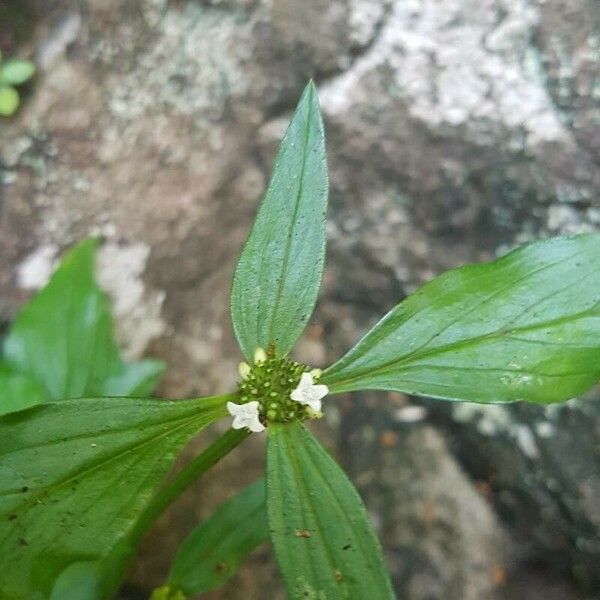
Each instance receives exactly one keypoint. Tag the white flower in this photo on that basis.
(309, 393)
(245, 415)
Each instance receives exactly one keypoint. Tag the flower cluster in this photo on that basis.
(275, 390)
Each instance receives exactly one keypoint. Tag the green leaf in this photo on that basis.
(279, 273)
(15, 71)
(323, 540)
(17, 391)
(76, 475)
(524, 327)
(212, 553)
(79, 581)
(9, 101)
(63, 338)
(136, 379)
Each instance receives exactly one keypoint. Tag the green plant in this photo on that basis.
(81, 480)
(13, 72)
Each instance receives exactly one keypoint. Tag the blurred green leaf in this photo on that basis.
(15, 71)
(9, 100)
(323, 540)
(524, 327)
(212, 553)
(79, 581)
(63, 338)
(279, 273)
(76, 475)
(137, 379)
(17, 391)
(166, 593)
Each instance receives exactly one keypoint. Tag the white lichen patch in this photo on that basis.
(491, 418)
(119, 270)
(363, 19)
(35, 270)
(473, 72)
(526, 441)
(566, 219)
(544, 430)
(193, 67)
(411, 414)
(136, 309)
(59, 38)
(496, 419)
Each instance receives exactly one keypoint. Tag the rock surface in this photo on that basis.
(456, 130)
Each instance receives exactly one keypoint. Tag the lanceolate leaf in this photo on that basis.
(278, 276)
(321, 534)
(213, 552)
(75, 476)
(17, 391)
(63, 338)
(524, 327)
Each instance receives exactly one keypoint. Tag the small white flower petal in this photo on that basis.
(308, 393)
(306, 380)
(233, 409)
(245, 415)
(319, 391)
(255, 426)
(314, 404)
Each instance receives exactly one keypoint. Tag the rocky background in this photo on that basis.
(456, 130)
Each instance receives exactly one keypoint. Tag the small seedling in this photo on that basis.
(13, 72)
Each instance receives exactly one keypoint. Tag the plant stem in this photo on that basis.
(188, 474)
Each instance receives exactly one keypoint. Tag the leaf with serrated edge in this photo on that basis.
(75, 476)
(323, 541)
(212, 553)
(279, 273)
(524, 327)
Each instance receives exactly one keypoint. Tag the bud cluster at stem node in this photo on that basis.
(273, 383)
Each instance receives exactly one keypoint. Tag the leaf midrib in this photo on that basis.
(315, 448)
(100, 462)
(113, 430)
(418, 355)
(308, 504)
(293, 223)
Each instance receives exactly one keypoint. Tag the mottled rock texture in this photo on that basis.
(456, 130)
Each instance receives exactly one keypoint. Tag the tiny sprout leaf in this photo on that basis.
(63, 339)
(321, 534)
(212, 553)
(15, 71)
(524, 327)
(9, 100)
(279, 273)
(76, 475)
